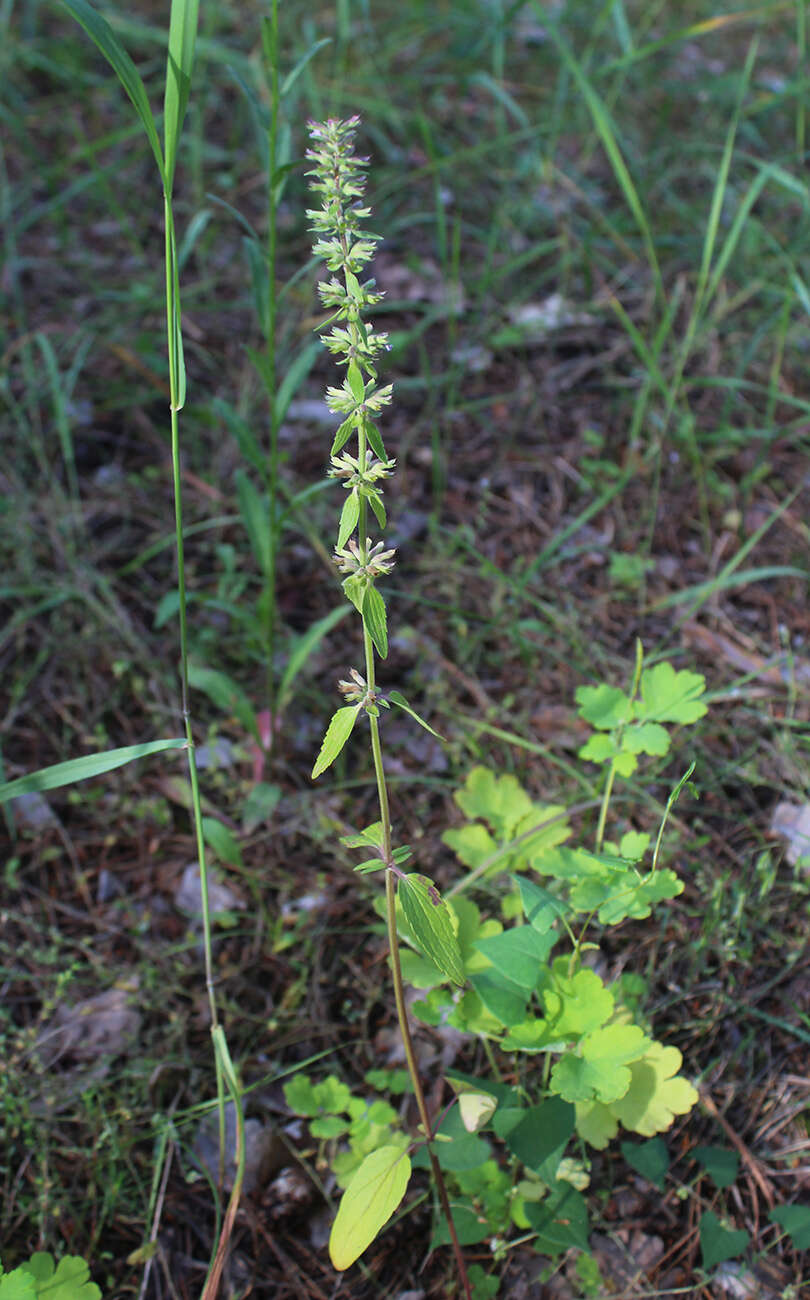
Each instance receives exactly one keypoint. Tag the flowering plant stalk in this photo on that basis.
(338, 178)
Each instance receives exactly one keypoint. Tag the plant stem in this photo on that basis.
(270, 41)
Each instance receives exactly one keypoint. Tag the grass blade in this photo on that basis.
(99, 31)
(81, 769)
(179, 65)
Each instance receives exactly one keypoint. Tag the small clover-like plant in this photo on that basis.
(39, 1277)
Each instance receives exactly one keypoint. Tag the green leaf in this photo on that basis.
(670, 696)
(431, 923)
(721, 1164)
(349, 516)
(560, 1221)
(541, 908)
(373, 1194)
(718, 1243)
(337, 733)
(650, 1159)
(223, 842)
(343, 434)
(376, 503)
(375, 441)
(81, 769)
(605, 707)
(373, 612)
(396, 697)
(499, 800)
(179, 67)
(17, 1285)
(519, 953)
(302, 649)
(646, 738)
(68, 1281)
(300, 1095)
(225, 693)
(294, 375)
(795, 1219)
(253, 508)
(599, 1069)
(99, 31)
(576, 1004)
(355, 378)
(503, 999)
(540, 1134)
(472, 844)
(596, 1123)
(655, 1097)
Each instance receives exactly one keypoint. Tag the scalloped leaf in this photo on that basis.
(367, 1204)
(67, 1280)
(600, 1070)
(657, 1093)
(646, 738)
(431, 924)
(576, 1004)
(472, 844)
(605, 707)
(670, 696)
(499, 800)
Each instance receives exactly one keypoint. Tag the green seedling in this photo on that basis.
(40, 1276)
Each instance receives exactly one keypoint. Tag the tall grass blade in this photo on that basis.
(81, 769)
(607, 134)
(179, 66)
(99, 31)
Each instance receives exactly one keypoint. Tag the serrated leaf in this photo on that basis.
(650, 1159)
(355, 381)
(349, 516)
(372, 834)
(518, 953)
(354, 588)
(599, 1071)
(342, 435)
(718, 1243)
(795, 1219)
(375, 441)
(431, 924)
(367, 1204)
(374, 618)
(337, 733)
(721, 1164)
(396, 697)
(670, 696)
(376, 503)
(656, 1093)
(605, 707)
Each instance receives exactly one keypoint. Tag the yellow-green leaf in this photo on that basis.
(374, 1193)
(432, 924)
(337, 733)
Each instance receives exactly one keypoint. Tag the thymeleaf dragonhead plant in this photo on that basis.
(338, 178)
